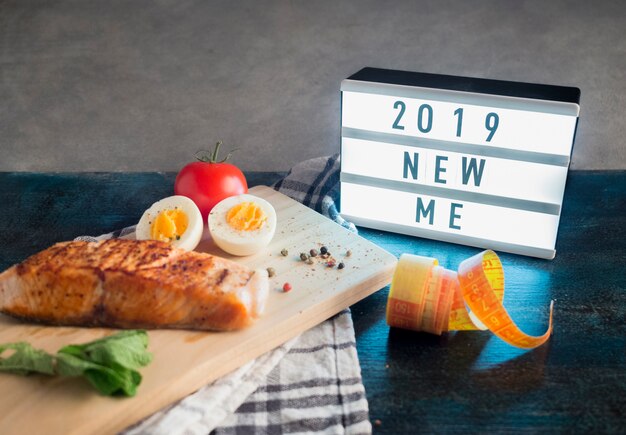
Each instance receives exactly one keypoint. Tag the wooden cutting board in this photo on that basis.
(184, 361)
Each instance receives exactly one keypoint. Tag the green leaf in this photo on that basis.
(26, 359)
(113, 382)
(127, 349)
(110, 364)
(72, 365)
(108, 380)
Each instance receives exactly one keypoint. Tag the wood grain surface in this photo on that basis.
(186, 360)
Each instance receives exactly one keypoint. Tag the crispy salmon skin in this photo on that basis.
(133, 284)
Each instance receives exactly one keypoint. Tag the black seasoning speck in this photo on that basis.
(324, 250)
(341, 266)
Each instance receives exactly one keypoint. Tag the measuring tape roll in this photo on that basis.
(426, 297)
(406, 305)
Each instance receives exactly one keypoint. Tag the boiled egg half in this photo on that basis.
(175, 219)
(242, 224)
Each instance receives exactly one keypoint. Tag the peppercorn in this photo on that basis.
(324, 250)
(330, 263)
(341, 266)
(303, 256)
(271, 272)
(284, 252)
(309, 260)
(313, 252)
(348, 253)
(286, 287)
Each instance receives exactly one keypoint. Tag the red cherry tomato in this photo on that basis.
(208, 181)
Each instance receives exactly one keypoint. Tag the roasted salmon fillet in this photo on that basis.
(133, 284)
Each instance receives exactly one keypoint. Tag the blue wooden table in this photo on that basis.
(415, 382)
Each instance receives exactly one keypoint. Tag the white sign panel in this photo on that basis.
(471, 161)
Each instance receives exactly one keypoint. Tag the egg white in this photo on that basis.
(236, 242)
(191, 237)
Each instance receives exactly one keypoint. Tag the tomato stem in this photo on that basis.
(211, 156)
(216, 151)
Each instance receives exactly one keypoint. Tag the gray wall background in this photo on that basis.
(141, 86)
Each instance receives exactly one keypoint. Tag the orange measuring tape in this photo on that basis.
(426, 297)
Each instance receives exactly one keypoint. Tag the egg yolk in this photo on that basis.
(169, 225)
(246, 216)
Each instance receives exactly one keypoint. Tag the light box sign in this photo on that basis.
(464, 160)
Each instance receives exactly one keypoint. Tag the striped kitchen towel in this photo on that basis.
(311, 384)
(315, 183)
(315, 388)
